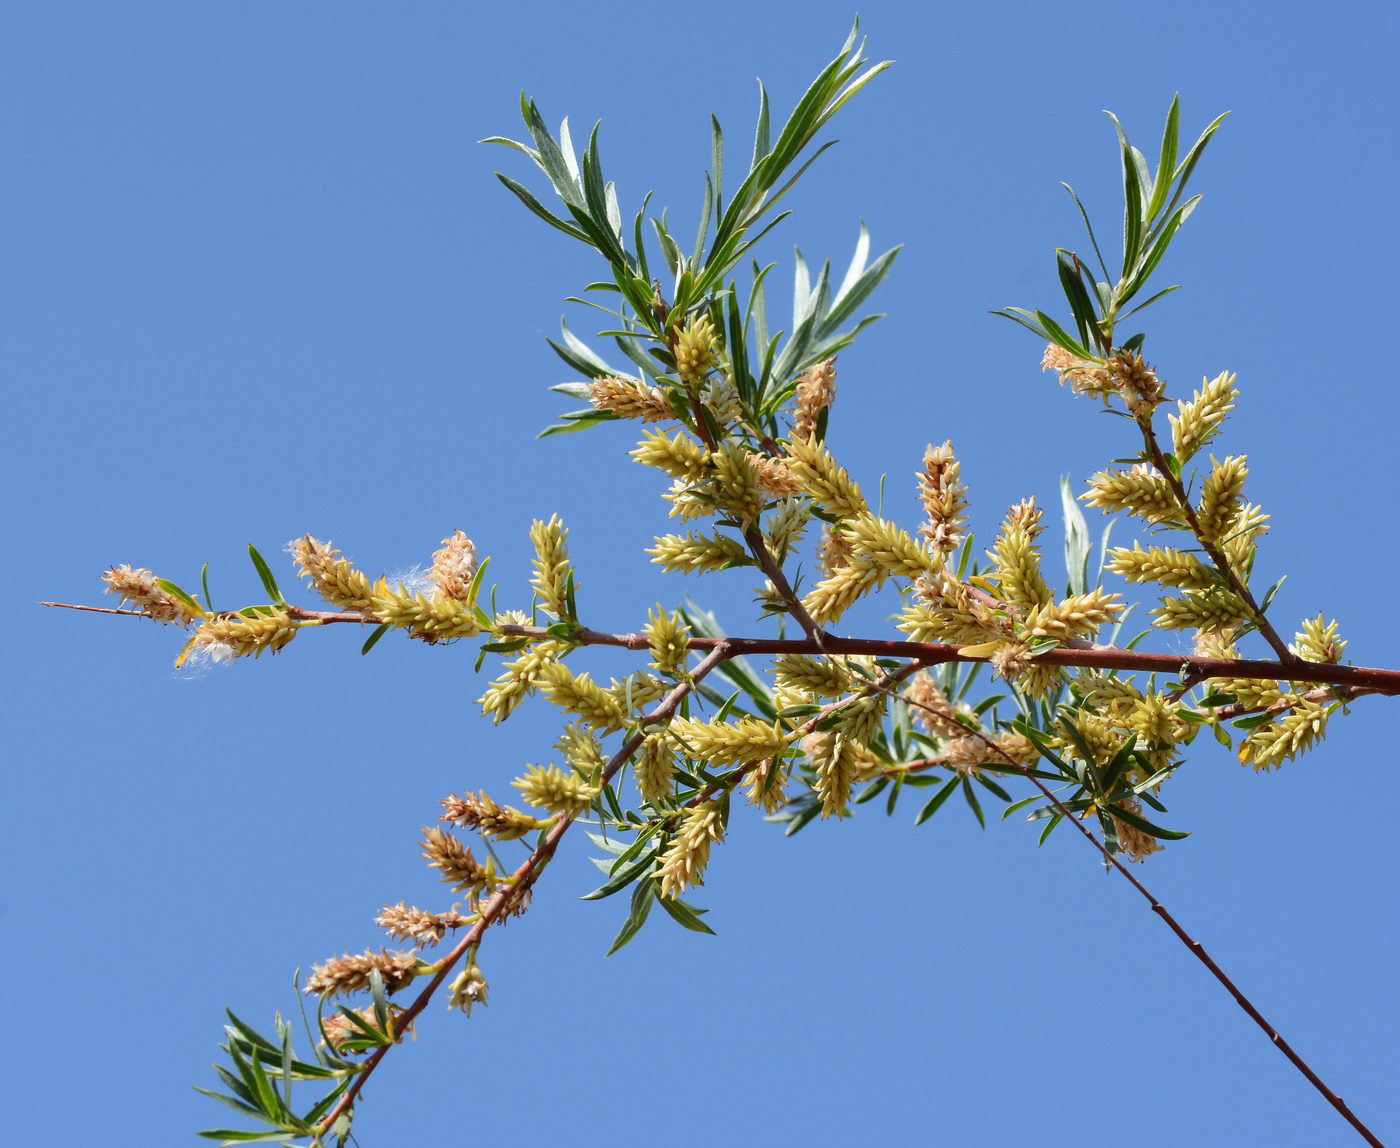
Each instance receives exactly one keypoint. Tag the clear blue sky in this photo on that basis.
(259, 281)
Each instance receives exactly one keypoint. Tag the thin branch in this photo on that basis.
(775, 575)
(519, 883)
(1195, 946)
(1217, 556)
(1365, 679)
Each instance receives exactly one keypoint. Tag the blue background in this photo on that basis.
(260, 281)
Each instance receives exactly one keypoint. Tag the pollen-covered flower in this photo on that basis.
(683, 863)
(1017, 573)
(1197, 422)
(349, 974)
(140, 588)
(679, 456)
(581, 696)
(409, 923)
(339, 1029)
(454, 860)
(941, 490)
(834, 551)
(690, 553)
(1163, 565)
(431, 618)
(331, 575)
(670, 641)
(1011, 660)
(1137, 383)
(816, 391)
(1084, 376)
(1220, 498)
(454, 566)
(478, 811)
(1319, 641)
(581, 748)
(654, 767)
(1297, 731)
(1131, 840)
(930, 708)
(729, 743)
(553, 570)
(774, 474)
(467, 988)
(549, 787)
(517, 682)
(238, 635)
(630, 399)
(695, 349)
(722, 398)
(825, 480)
(1140, 491)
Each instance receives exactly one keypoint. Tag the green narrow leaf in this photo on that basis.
(265, 576)
(1077, 543)
(937, 800)
(379, 632)
(642, 897)
(170, 588)
(684, 915)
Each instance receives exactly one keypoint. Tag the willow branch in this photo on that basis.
(1217, 556)
(1361, 679)
(1197, 949)
(520, 882)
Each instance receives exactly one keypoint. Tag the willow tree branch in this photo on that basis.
(1362, 679)
(1197, 949)
(1217, 556)
(519, 883)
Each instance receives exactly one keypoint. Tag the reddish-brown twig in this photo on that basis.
(520, 883)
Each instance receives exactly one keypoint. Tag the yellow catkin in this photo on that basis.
(834, 595)
(821, 676)
(737, 489)
(825, 480)
(1298, 730)
(1140, 491)
(1163, 565)
(1197, 422)
(582, 697)
(434, 619)
(517, 682)
(679, 456)
(729, 743)
(630, 399)
(331, 575)
(454, 566)
(941, 492)
(549, 787)
(890, 547)
(1077, 616)
(654, 768)
(695, 349)
(1319, 641)
(1220, 498)
(141, 590)
(1017, 571)
(552, 567)
(237, 637)
(816, 391)
(685, 859)
(670, 641)
(697, 554)
(481, 812)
